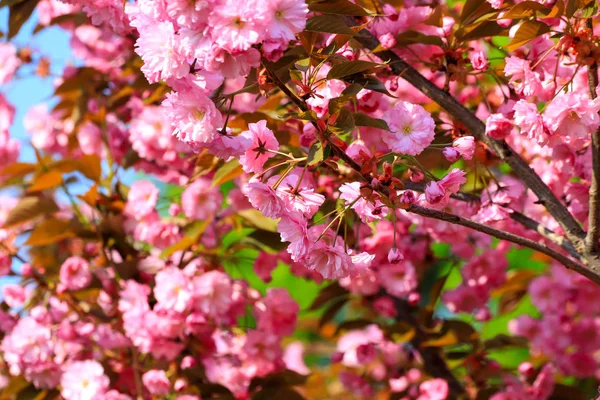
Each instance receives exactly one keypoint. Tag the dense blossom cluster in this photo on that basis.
(290, 142)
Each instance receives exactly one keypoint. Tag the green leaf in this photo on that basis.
(328, 24)
(256, 218)
(326, 295)
(350, 68)
(315, 154)
(361, 119)
(18, 14)
(227, 172)
(340, 7)
(528, 31)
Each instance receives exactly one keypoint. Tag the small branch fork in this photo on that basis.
(574, 233)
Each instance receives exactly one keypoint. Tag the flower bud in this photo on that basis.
(395, 256)
(451, 154)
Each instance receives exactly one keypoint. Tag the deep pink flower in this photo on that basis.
(75, 273)
(293, 228)
(572, 116)
(479, 61)
(83, 380)
(530, 121)
(498, 126)
(212, 293)
(434, 389)
(263, 141)
(411, 128)
(277, 312)
(156, 382)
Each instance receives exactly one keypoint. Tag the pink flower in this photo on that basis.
(395, 256)
(530, 122)
(573, 116)
(293, 228)
(141, 200)
(277, 312)
(258, 153)
(398, 279)
(156, 382)
(212, 293)
(451, 154)
(522, 78)
(83, 380)
(367, 210)
(293, 358)
(433, 389)
(298, 197)
(194, 116)
(264, 199)
(331, 262)
(479, 61)
(287, 17)
(356, 385)
(7, 114)
(237, 26)
(411, 128)
(75, 273)
(161, 51)
(14, 295)
(434, 192)
(498, 126)
(171, 290)
(10, 62)
(465, 146)
(201, 201)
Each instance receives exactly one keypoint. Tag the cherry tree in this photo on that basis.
(289, 199)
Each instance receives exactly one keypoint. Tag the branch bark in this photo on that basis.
(593, 233)
(569, 224)
(455, 219)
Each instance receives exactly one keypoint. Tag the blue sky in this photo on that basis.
(28, 89)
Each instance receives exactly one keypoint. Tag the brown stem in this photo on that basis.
(455, 219)
(569, 224)
(515, 216)
(593, 233)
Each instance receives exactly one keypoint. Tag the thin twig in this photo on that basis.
(455, 219)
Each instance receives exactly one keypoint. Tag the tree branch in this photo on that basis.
(569, 224)
(593, 233)
(455, 219)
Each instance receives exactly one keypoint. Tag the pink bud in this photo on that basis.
(365, 353)
(385, 306)
(27, 270)
(414, 375)
(387, 41)
(498, 126)
(337, 357)
(483, 314)
(414, 298)
(395, 256)
(415, 176)
(174, 209)
(479, 61)
(408, 197)
(465, 146)
(180, 385)
(451, 154)
(526, 369)
(188, 362)
(434, 192)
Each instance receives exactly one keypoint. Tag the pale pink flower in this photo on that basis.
(498, 126)
(264, 198)
(367, 210)
(356, 384)
(522, 78)
(277, 312)
(349, 343)
(83, 380)
(161, 51)
(194, 116)
(287, 17)
(237, 26)
(300, 198)
(75, 273)
(572, 116)
(200, 200)
(141, 200)
(263, 142)
(7, 114)
(171, 290)
(530, 121)
(331, 262)
(14, 295)
(293, 228)
(212, 293)
(398, 279)
(465, 146)
(293, 358)
(10, 62)
(156, 382)
(411, 128)
(479, 61)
